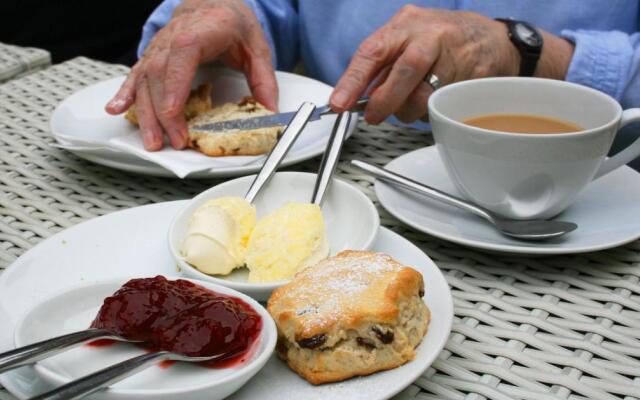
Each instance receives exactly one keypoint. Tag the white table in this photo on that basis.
(564, 327)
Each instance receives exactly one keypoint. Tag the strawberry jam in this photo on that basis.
(181, 317)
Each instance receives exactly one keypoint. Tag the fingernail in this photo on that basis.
(116, 103)
(339, 99)
(148, 141)
(177, 140)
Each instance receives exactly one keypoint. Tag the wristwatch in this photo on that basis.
(528, 41)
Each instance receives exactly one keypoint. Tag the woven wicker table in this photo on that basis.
(565, 327)
(19, 61)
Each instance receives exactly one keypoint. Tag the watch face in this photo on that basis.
(527, 35)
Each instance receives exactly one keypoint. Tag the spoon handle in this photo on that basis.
(388, 176)
(331, 157)
(100, 379)
(37, 351)
(289, 136)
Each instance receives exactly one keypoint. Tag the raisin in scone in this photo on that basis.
(352, 314)
(233, 143)
(199, 102)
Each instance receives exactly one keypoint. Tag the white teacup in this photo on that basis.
(527, 176)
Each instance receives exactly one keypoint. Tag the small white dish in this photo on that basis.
(132, 243)
(81, 122)
(351, 221)
(607, 211)
(74, 309)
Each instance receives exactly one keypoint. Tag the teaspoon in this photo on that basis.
(524, 230)
(105, 377)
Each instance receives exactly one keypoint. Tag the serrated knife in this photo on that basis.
(268, 121)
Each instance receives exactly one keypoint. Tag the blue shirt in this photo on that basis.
(324, 34)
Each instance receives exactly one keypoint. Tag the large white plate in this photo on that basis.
(81, 116)
(607, 212)
(133, 243)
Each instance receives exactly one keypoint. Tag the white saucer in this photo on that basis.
(133, 243)
(607, 212)
(74, 309)
(81, 123)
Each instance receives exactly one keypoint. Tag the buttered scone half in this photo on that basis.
(233, 143)
(199, 111)
(352, 314)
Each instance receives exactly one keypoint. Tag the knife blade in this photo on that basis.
(269, 121)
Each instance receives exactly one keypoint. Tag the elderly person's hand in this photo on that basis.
(394, 61)
(199, 31)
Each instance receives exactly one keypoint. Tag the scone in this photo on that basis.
(233, 143)
(199, 102)
(198, 111)
(352, 314)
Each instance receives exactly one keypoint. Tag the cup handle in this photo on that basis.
(626, 155)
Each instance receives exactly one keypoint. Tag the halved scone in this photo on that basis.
(233, 143)
(199, 110)
(199, 102)
(352, 314)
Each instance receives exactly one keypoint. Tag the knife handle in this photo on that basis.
(331, 156)
(358, 107)
(289, 136)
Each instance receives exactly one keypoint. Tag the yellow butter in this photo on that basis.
(285, 241)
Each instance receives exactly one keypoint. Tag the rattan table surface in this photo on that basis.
(562, 327)
(16, 61)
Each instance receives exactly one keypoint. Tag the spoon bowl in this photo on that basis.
(534, 229)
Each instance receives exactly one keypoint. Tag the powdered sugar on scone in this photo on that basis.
(336, 283)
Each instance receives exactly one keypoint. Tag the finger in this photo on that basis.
(262, 81)
(125, 96)
(195, 40)
(372, 55)
(149, 127)
(416, 104)
(183, 59)
(174, 125)
(379, 80)
(406, 74)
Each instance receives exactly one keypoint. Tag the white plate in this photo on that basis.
(133, 243)
(351, 221)
(74, 309)
(81, 116)
(607, 212)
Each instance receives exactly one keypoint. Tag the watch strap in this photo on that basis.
(528, 63)
(529, 56)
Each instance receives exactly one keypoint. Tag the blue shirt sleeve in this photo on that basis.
(608, 61)
(279, 20)
(158, 18)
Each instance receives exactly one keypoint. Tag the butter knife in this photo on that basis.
(268, 121)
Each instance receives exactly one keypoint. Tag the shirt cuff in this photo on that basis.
(601, 60)
(156, 21)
